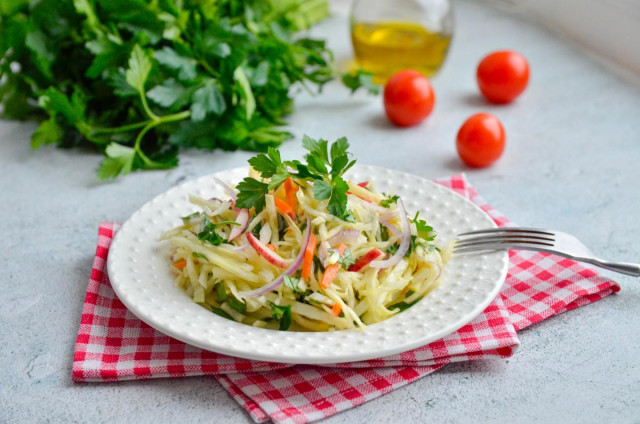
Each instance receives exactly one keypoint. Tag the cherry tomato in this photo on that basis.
(502, 76)
(480, 140)
(408, 98)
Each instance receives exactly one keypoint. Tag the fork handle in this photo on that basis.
(627, 268)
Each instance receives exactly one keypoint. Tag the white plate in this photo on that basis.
(138, 267)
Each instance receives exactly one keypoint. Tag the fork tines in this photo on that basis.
(500, 238)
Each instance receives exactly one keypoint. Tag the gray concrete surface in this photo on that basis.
(571, 164)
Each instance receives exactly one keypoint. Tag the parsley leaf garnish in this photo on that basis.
(281, 314)
(209, 233)
(386, 203)
(425, 234)
(188, 218)
(236, 305)
(325, 166)
(424, 231)
(221, 313)
(292, 283)
(197, 255)
(251, 194)
(403, 306)
(347, 259)
(221, 293)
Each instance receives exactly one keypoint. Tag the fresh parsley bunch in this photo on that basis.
(139, 79)
(325, 166)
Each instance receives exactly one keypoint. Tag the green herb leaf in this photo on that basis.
(188, 218)
(281, 314)
(169, 94)
(221, 293)
(386, 203)
(186, 66)
(251, 194)
(200, 256)
(347, 259)
(47, 133)
(139, 68)
(338, 202)
(207, 99)
(221, 313)
(209, 233)
(54, 101)
(119, 160)
(318, 148)
(236, 305)
(268, 165)
(292, 283)
(361, 79)
(322, 190)
(424, 231)
(403, 306)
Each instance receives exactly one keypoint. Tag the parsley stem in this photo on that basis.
(151, 124)
(123, 128)
(175, 117)
(145, 105)
(208, 68)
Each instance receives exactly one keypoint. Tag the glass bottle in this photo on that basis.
(391, 35)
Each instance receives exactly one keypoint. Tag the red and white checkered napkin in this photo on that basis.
(114, 345)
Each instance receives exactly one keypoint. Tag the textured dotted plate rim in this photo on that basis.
(139, 273)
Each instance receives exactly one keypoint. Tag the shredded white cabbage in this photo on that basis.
(215, 272)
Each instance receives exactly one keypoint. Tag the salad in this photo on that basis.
(296, 246)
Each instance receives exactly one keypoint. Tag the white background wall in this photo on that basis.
(609, 29)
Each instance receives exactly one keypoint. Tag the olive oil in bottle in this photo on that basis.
(384, 48)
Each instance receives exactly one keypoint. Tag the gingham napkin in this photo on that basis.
(114, 345)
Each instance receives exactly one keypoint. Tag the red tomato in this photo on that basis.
(408, 98)
(502, 76)
(480, 140)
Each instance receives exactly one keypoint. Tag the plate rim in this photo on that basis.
(343, 358)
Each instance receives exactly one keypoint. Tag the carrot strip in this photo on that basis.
(331, 271)
(180, 264)
(284, 208)
(309, 251)
(290, 192)
(329, 275)
(336, 309)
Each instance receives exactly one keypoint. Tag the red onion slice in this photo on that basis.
(239, 248)
(391, 227)
(389, 215)
(295, 265)
(344, 236)
(439, 272)
(404, 244)
(231, 192)
(242, 220)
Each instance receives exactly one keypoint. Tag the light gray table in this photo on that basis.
(571, 164)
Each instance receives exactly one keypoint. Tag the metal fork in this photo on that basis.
(556, 242)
